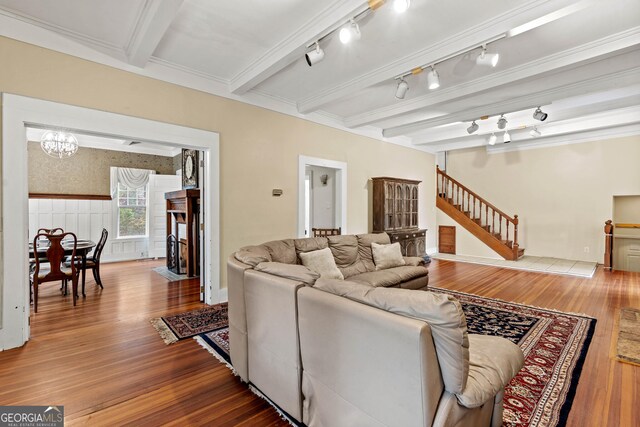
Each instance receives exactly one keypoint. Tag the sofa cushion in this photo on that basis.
(290, 271)
(322, 263)
(386, 256)
(253, 255)
(310, 244)
(390, 277)
(442, 312)
(344, 249)
(364, 247)
(413, 260)
(493, 362)
(282, 251)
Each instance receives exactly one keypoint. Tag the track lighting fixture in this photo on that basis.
(534, 132)
(433, 80)
(492, 139)
(506, 137)
(315, 55)
(401, 6)
(540, 115)
(487, 58)
(402, 88)
(474, 127)
(350, 31)
(502, 122)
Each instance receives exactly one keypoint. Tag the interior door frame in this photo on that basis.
(341, 190)
(18, 112)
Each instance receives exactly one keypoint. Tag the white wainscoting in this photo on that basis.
(86, 218)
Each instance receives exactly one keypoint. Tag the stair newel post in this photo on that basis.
(608, 245)
(516, 247)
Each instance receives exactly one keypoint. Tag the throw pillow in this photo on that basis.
(290, 271)
(321, 262)
(387, 256)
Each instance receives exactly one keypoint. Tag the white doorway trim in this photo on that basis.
(341, 190)
(19, 112)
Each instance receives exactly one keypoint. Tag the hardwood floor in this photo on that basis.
(105, 363)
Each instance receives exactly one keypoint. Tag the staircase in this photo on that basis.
(493, 227)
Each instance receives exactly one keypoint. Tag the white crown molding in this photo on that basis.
(522, 102)
(165, 71)
(473, 36)
(96, 44)
(585, 52)
(294, 46)
(151, 25)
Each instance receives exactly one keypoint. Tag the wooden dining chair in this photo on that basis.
(55, 270)
(324, 232)
(93, 262)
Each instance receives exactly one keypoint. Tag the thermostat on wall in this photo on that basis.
(276, 192)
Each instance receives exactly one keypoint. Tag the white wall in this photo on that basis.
(563, 194)
(323, 197)
(85, 218)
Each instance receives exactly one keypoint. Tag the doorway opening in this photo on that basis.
(20, 114)
(322, 195)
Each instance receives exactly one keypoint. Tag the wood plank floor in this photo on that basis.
(104, 362)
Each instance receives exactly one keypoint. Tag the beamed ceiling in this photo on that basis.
(578, 60)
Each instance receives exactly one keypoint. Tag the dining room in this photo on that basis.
(102, 207)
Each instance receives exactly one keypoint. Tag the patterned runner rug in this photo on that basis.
(186, 325)
(554, 344)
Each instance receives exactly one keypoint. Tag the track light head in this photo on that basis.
(502, 122)
(492, 139)
(474, 127)
(350, 31)
(315, 55)
(485, 58)
(540, 115)
(506, 138)
(401, 6)
(433, 80)
(534, 132)
(402, 88)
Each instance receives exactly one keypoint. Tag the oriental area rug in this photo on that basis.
(554, 344)
(191, 323)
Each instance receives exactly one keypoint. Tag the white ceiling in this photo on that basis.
(579, 60)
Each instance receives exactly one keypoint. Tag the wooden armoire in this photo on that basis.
(395, 212)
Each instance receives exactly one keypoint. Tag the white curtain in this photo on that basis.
(129, 177)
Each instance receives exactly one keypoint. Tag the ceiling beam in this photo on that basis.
(547, 64)
(461, 42)
(295, 45)
(578, 116)
(631, 76)
(151, 26)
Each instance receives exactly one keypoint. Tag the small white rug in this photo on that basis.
(530, 263)
(170, 275)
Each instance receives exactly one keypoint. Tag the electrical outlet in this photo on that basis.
(586, 249)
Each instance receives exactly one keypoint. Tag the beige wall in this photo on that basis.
(259, 148)
(563, 195)
(177, 163)
(88, 171)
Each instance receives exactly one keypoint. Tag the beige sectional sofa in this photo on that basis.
(372, 349)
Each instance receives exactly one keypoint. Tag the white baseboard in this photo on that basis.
(431, 251)
(223, 295)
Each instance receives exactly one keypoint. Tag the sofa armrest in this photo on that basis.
(414, 260)
(493, 362)
(237, 317)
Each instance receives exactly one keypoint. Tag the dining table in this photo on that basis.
(83, 247)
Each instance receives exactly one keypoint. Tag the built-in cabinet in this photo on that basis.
(395, 211)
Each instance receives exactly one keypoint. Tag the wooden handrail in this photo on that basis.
(465, 188)
(451, 189)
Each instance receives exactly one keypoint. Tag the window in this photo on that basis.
(132, 211)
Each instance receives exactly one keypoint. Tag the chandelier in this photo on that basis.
(59, 144)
